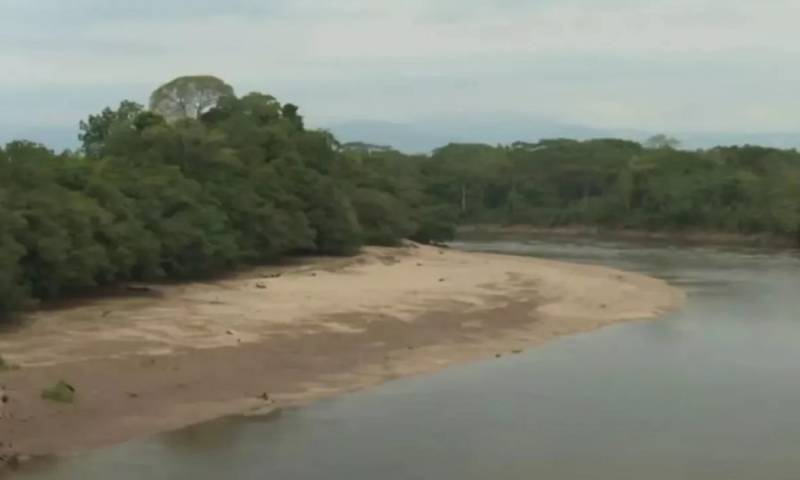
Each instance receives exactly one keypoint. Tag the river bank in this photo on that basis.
(271, 337)
(686, 237)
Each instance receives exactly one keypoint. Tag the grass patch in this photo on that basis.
(5, 366)
(61, 392)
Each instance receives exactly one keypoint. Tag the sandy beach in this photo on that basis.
(277, 336)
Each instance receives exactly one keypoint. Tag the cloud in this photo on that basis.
(662, 64)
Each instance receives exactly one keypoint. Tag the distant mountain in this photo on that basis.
(427, 134)
(424, 135)
(707, 140)
(55, 138)
(406, 137)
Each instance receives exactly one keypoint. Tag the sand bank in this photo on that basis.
(194, 352)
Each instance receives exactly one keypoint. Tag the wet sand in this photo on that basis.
(271, 337)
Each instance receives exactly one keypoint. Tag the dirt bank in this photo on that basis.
(194, 352)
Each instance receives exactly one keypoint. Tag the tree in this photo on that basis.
(333, 219)
(96, 129)
(462, 171)
(662, 141)
(13, 291)
(223, 181)
(383, 217)
(189, 97)
(291, 113)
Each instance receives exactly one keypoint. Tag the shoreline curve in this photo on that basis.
(271, 337)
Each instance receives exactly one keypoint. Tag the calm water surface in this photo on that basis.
(711, 392)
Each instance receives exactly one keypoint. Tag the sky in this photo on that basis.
(656, 65)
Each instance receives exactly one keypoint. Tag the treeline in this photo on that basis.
(620, 184)
(609, 182)
(198, 184)
(202, 181)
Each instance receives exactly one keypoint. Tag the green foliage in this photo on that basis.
(384, 219)
(61, 392)
(225, 182)
(6, 366)
(662, 141)
(205, 182)
(435, 224)
(290, 112)
(620, 184)
(13, 290)
(97, 128)
(333, 219)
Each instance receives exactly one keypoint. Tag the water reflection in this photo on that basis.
(707, 393)
(216, 436)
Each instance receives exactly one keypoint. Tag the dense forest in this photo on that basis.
(620, 184)
(201, 181)
(197, 184)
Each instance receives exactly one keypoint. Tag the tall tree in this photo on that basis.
(662, 141)
(189, 97)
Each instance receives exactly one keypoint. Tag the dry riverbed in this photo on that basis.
(281, 336)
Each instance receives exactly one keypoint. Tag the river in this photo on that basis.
(710, 392)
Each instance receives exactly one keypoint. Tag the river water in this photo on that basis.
(710, 392)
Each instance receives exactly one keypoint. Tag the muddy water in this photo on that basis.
(711, 392)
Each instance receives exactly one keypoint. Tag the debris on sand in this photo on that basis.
(61, 392)
(4, 399)
(5, 365)
(11, 460)
(265, 396)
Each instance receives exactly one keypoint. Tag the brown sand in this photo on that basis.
(204, 350)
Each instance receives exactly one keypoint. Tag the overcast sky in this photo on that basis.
(658, 65)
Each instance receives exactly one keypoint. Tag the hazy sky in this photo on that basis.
(671, 65)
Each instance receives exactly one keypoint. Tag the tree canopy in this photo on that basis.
(662, 141)
(204, 181)
(189, 97)
(221, 182)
